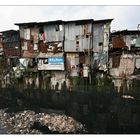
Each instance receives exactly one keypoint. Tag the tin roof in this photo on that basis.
(82, 21)
(78, 22)
(40, 23)
(9, 31)
(126, 32)
(103, 20)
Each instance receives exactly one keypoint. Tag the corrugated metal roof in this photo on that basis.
(78, 22)
(56, 22)
(126, 32)
(40, 23)
(118, 42)
(7, 31)
(103, 21)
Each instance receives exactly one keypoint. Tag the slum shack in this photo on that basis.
(10, 54)
(63, 53)
(124, 56)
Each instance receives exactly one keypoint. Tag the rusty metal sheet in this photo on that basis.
(42, 47)
(115, 61)
(118, 42)
(27, 54)
(30, 46)
(35, 35)
(12, 52)
(126, 67)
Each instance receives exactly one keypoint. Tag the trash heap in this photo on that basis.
(23, 122)
(59, 123)
(18, 123)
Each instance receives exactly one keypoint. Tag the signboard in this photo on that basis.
(52, 63)
(56, 60)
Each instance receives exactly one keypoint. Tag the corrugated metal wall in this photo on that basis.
(118, 42)
(98, 37)
(132, 40)
(101, 34)
(29, 40)
(76, 40)
(126, 40)
(52, 35)
(85, 44)
(106, 36)
(126, 66)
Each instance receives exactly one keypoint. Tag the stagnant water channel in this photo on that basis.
(102, 110)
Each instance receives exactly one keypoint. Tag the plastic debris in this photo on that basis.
(23, 123)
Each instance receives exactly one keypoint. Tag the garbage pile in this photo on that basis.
(18, 123)
(23, 122)
(59, 123)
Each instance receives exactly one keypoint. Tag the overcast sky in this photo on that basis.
(125, 17)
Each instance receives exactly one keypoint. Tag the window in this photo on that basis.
(77, 42)
(87, 36)
(59, 27)
(100, 43)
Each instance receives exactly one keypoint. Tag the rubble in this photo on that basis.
(23, 122)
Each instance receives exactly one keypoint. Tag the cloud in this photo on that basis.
(125, 17)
